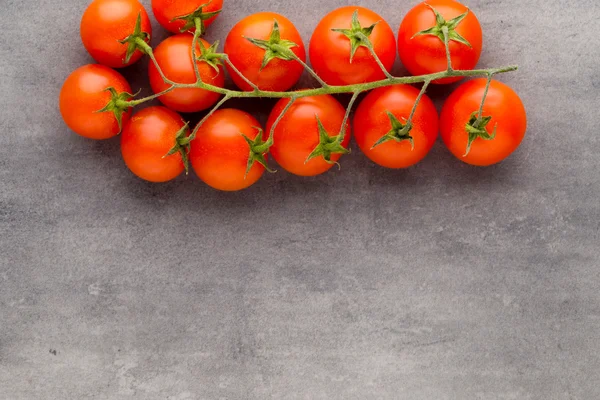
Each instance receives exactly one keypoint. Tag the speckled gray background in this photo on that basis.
(439, 282)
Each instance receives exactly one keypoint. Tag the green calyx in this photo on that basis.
(358, 35)
(182, 146)
(275, 47)
(450, 26)
(195, 20)
(328, 145)
(138, 40)
(476, 128)
(398, 133)
(210, 55)
(118, 104)
(258, 149)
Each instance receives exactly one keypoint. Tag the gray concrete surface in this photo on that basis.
(439, 282)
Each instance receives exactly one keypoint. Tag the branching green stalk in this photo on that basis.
(343, 132)
(211, 112)
(485, 92)
(417, 101)
(349, 88)
(237, 71)
(309, 70)
(134, 103)
(197, 33)
(143, 46)
(279, 118)
(447, 46)
(377, 59)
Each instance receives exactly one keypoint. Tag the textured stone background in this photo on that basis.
(439, 282)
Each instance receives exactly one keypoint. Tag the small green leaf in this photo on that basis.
(328, 145)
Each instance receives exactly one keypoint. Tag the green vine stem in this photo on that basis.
(358, 36)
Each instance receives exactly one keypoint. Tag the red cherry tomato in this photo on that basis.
(330, 50)
(371, 122)
(219, 153)
(297, 133)
(105, 23)
(507, 114)
(174, 55)
(279, 74)
(146, 140)
(426, 54)
(167, 12)
(84, 93)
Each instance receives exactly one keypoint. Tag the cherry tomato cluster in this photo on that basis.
(395, 125)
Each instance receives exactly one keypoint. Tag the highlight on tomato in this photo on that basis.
(306, 140)
(110, 29)
(154, 144)
(174, 56)
(264, 48)
(339, 47)
(94, 101)
(421, 39)
(229, 151)
(492, 137)
(179, 16)
(382, 131)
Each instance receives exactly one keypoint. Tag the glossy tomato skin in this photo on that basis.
(426, 54)
(167, 12)
(105, 23)
(174, 55)
(371, 122)
(297, 134)
(278, 75)
(502, 104)
(330, 51)
(84, 93)
(219, 153)
(145, 141)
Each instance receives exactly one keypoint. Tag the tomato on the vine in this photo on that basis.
(107, 24)
(262, 47)
(174, 56)
(498, 133)
(220, 154)
(178, 15)
(339, 53)
(146, 140)
(86, 92)
(381, 119)
(300, 131)
(421, 39)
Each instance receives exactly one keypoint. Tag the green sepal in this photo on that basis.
(477, 129)
(182, 146)
(133, 40)
(210, 56)
(328, 145)
(118, 104)
(274, 47)
(358, 35)
(196, 18)
(440, 23)
(398, 133)
(258, 149)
